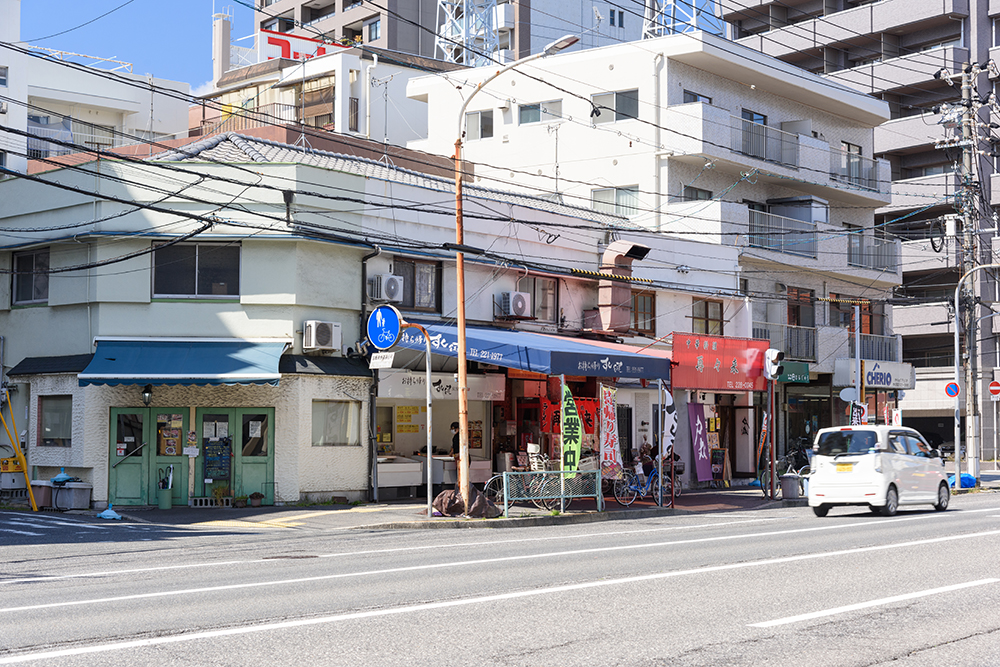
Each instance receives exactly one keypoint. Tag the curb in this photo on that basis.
(521, 522)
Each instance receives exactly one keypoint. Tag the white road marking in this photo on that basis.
(19, 532)
(871, 603)
(132, 571)
(428, 606)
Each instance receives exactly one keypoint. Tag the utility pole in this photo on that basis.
(968, 264)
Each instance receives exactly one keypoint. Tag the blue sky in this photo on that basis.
(170, 39)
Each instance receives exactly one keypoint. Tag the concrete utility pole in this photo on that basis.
(968, 264)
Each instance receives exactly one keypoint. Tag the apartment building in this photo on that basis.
(903, 51)
(501, 29)
(692, 136)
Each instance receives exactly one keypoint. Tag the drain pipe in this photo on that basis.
(373, 392)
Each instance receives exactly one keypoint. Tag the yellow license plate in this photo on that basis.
(845, 467)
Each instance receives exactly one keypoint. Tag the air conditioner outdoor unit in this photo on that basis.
(515, 304)
(318, 335)
(387, 287)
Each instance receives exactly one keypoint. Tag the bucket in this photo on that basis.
(164, 498)
(789, 487)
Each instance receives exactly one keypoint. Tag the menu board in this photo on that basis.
(218, 454)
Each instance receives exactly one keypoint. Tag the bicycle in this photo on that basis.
(539, 488)
(785, 465)
(628, 488)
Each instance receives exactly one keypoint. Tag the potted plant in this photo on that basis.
(240, 501)
(255, 498)
(220, 493)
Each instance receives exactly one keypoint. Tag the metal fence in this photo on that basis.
(764, 142)
(781, 234)
(796, 342)
(879, 348)
(854, 169)
(550, 488)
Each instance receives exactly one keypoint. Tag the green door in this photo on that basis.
(168, 441)
(236, 451)
(145, 443)
(128, 475)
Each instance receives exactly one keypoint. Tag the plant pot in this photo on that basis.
(255, 502)
(239, 503)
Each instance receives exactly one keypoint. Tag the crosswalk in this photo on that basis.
(42, 524)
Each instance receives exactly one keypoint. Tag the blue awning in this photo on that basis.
(171, 361)
(541, 353)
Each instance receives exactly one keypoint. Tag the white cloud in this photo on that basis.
(203, 89)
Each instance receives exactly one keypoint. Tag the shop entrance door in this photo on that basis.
(236, 451)
(145, 442)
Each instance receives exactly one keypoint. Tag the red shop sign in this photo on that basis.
(718, 363)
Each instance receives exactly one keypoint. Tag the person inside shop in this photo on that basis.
(455, 447)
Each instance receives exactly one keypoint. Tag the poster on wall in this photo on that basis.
(699, 438)
(611, 456)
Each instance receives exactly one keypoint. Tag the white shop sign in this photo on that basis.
(878, 374)
(404, 384)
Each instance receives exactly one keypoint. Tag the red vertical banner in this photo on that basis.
(587, 407)
(611, 458)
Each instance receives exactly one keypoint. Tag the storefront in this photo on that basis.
(723, 376)
(532, 366)
(200, 415)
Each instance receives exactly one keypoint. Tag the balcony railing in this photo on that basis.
(798, 343)
(880, 348)
(781, 234)
(38, 147)
(872, 253)
(854, 169)
(262, 116)
(764, 142)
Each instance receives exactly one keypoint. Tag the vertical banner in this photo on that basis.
(611, 456)
(857, 414)
(699, 439)
(668, 421)
(572, 432)
(763, 440)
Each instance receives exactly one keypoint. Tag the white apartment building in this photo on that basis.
(695, 137)
(896, 50)
(101, 105)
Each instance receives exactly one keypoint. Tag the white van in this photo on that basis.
(882, 467)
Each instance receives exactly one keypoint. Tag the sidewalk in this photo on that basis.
(410, 514)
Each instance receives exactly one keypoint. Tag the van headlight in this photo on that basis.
(878, 463)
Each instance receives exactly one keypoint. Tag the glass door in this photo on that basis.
(128, 479)
(169, 463)
(253, 459)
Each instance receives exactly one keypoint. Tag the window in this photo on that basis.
(842, 313)
(55, 421)
(3, 162)
(801, 311)
(479, 125)
(612, 21)
(3, 76)
(690, 96)
(196, 269)
(421, 284)
(374, 30)
(754, 117)
(544, 292)
(31, 280)
(543, 112)
(616, 201)
(644, 312)
(694, 194)
(624, 104)
(336, 424)
(707, 318)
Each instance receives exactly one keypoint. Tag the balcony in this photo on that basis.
(798, 343)
(781, 234)
(878, 348)
(262, 116)
(877, 254)
(764, 142)
(936, 190)
(911, 132)
(38, 147)
(902, 71)
(928, 319)
(853, 169)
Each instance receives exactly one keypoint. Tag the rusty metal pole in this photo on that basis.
(463, 380)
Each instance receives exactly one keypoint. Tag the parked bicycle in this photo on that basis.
(539, 488)
(629, 487)
(787, 464)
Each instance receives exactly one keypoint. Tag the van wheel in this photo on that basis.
(891, 502)
(944, 495)
(821, 510)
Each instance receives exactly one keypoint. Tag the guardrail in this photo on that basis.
(555, 486)
(764, 142)
(854, 169)
(796, 342)
(879, 348)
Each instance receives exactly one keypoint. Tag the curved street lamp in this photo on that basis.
(463, 380)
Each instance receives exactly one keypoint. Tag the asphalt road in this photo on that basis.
(768, 587)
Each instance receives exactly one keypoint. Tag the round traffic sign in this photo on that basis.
(952, 389)
(995, 388)
(384, 324)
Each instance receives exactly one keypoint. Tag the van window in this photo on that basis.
(917, 446)
(846, 442)
(897, 443)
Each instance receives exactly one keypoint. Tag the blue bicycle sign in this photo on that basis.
(384, 324)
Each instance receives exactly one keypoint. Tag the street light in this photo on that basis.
(463, 379)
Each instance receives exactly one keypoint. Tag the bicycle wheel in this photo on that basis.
(494, 490)
(654, 490)
(625, 490)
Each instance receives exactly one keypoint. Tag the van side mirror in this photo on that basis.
(935, 453)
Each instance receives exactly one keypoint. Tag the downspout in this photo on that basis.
(368, 97)
(373, 391)
(657, 198)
